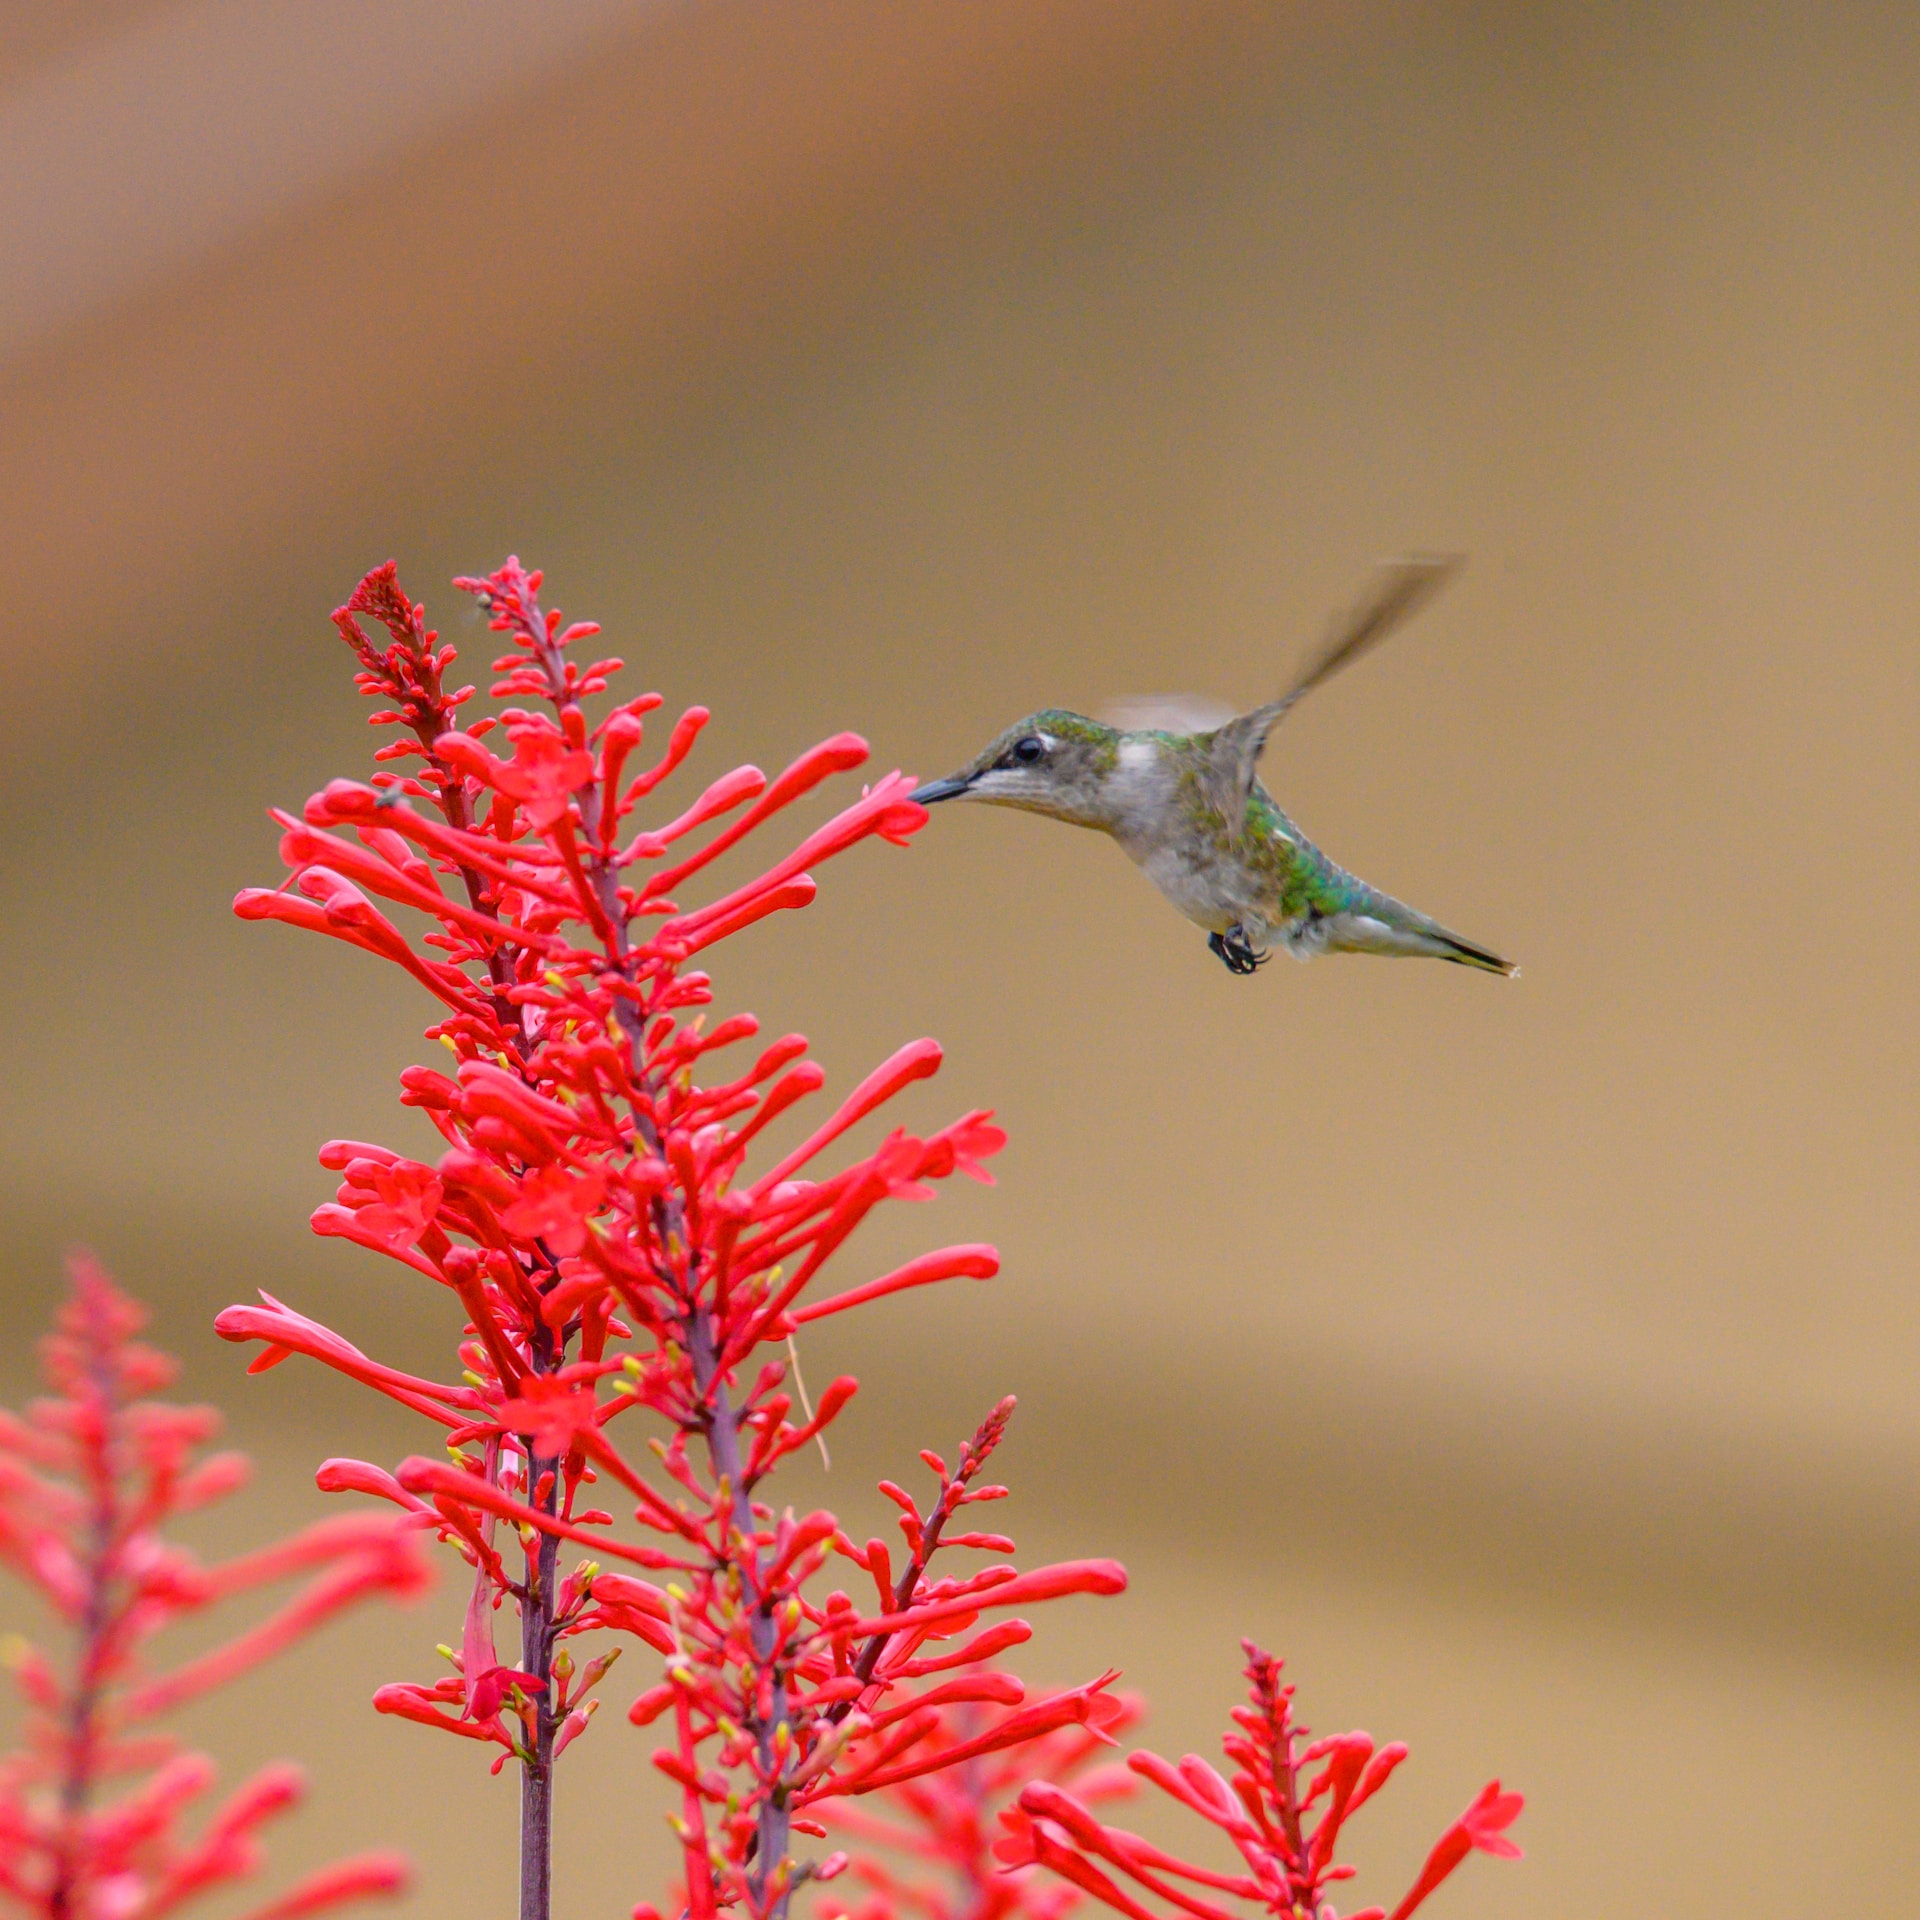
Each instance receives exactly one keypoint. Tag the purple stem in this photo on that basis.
(722, 1420)
(775, 1833)
(83, 1731)
(536, 1658)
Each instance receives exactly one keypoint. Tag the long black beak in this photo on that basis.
(939, 790)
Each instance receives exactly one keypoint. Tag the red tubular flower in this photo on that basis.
(1483, 1826)
(1284, 1825)
(950, 1263)
(392, 1568)
(366, 1874)
(935, 1834)
(89, 1479)
(1088, 1706)
(629, 1254)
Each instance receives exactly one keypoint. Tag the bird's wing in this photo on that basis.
(1397, 592)
(1167, 713)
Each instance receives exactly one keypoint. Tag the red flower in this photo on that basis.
(1483, 1826)
(385, 1202)
(936, 1832)
(552, 1411)
(485, 1680)
(543, 774)
(554, 1205)
(364, 1876)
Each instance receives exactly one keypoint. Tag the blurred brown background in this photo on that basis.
(1535, 1365)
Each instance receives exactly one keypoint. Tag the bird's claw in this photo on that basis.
(1237, 953)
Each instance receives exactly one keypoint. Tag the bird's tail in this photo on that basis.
(1375, 922)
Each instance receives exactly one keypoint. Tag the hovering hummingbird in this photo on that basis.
(1182, 799)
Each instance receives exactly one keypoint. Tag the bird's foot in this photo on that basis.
(1237, 953)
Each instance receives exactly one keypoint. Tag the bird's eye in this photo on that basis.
(1026, 752)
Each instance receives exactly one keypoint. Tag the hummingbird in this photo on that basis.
(1183, 801)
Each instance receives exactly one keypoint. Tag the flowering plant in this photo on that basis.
(628, 1270)
(89, 1478)
(1284, 1825)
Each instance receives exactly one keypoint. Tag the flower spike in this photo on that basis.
(626, 1255)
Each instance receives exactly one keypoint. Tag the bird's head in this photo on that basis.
(1051, 762)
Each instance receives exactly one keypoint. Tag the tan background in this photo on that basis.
(1535, 1365)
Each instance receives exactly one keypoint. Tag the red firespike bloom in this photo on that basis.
(936, 1833)
(1284, 1826)
(89, 1479)
(618, 1235)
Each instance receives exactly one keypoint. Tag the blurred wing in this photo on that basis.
(1167, 713)
(1395, 594)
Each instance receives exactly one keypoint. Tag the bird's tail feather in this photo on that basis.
(1375, 922)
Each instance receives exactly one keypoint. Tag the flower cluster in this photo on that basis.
(632, 1256)
(927, 1850)
(1284, 1825)
(90, 1477)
